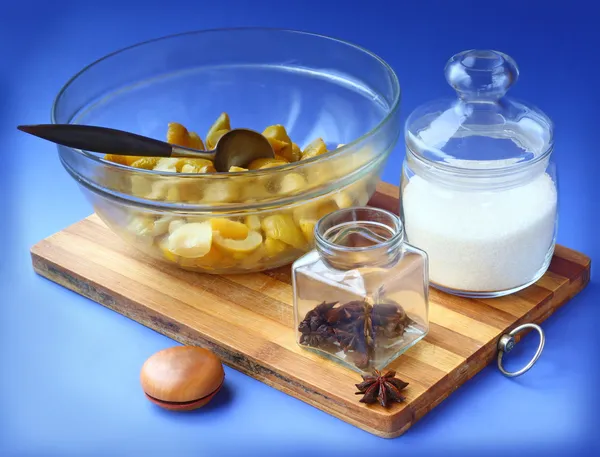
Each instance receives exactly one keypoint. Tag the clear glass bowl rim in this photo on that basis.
(338, 152)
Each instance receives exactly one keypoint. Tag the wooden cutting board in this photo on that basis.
(247, 320)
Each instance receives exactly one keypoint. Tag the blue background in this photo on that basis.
(69, 368)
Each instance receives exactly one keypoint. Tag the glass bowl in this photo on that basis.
(312, 85)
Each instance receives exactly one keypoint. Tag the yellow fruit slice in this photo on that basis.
(122, 160)
(229, 229)
(177, 134)
(248, 244)
(266, 163)
(308, 229)
(343, 200)
(277, 145)
(213, 138)
(195, 164)
(196, 141)
(289, 153)
(211, 259)
(194, 169)
(221, 126)
(314, 149)
(165, 251)
(296, 151)
(281, 158)
(167, 164)
(282, 227)
(174, 225)
(146, 163)
(234, 169)
(281, 142)
(191, 240)
(277, 132)
(253, 260)
(291, 183)
(326, 208)
(274, 247)
(220, 191)
(253, 222)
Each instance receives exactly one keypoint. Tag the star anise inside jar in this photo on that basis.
(381, 388)
(355, 328)
(316, 331)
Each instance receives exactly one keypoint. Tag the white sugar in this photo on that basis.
(482, 240)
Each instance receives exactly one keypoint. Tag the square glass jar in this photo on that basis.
(361, 297)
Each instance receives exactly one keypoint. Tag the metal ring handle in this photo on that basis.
(507, 343)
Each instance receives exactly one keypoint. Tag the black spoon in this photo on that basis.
(238, 147)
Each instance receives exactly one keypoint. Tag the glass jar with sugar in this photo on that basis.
(478, 187)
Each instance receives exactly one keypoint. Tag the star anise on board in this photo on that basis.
(381, 388)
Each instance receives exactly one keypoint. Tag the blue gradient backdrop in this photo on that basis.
(69, 367)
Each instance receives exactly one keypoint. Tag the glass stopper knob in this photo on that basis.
(481, 74)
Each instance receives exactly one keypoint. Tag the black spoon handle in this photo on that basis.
(100, 139)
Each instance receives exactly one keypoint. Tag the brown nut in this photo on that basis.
(182, 378)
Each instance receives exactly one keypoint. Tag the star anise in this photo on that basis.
(389, 320)
(355, 328)
(315, 329)
(382, 388)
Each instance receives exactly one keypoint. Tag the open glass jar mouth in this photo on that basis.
(359, 229)
(346, 149)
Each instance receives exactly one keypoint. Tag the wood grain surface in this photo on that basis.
(247, 320)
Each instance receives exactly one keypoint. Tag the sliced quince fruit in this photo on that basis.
(282, 227)
(122, 160)
(140, 185)
(277, 132)
(266, 163)
(220, 191)
(253, 222)
(326, 208)
(213, 138)
(274, 247)
(179, 135)
(248, 244)
(194, 164)
(191, 240)
(187, 168)
(196, 141)
(253, 259)
(229, 229)
(296, 151)
(167, 254)
(141, 226)
(314, 149)
(234, 169)
(146, 163)
(291, 183)
(221, 126)
(343, 200)
(212, 258)
(281, 143)
(308, 228)
(174, 225)
(167, 164)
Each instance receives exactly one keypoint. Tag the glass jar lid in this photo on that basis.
(481, 128)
